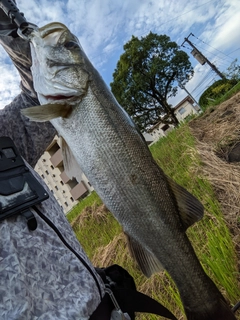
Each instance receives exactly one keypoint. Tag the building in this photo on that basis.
(185, 108)
(160, 130)
(182, 110)
(66, 191)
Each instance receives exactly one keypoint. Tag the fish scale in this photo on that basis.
(99, 135)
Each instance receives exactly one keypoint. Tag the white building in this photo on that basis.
(160, 130)
(182, 110)
(185, 108)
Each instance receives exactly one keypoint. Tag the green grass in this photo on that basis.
(91, 199)
(210, 237)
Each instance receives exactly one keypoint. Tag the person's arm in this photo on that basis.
(31, 138)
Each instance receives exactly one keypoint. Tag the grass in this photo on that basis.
(91, 199)
(103, 240)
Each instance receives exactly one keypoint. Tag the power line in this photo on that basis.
(186, 12)
(201, 58)
(234, 51)
(211, 46)
(222, 63)
(202, 87)
(207, 86)
(203, 80)
(230, 59)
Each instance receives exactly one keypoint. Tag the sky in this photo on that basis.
(104, 26)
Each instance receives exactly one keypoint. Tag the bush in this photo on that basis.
(215, 91)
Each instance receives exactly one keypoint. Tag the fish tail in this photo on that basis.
(221, 311)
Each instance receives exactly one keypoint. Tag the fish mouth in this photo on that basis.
(58, 98)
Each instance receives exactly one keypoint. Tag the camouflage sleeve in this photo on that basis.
(31, 138)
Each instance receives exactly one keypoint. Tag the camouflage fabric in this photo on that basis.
(40, 278)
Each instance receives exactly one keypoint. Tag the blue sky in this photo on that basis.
(103, 27)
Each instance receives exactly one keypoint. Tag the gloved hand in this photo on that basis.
(7, 28)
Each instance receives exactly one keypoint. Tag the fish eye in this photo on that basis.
(71, 45)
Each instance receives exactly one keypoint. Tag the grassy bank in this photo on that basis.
(227, 95)
(103, 240)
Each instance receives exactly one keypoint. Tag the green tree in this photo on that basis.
(147, 75)
(233, 71)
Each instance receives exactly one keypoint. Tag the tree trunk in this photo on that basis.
(170, 112)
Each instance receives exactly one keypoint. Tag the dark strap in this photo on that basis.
(31, 220)
(103, 310)
(130, 301)
(134, 301)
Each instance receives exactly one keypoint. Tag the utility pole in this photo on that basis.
(201, 58)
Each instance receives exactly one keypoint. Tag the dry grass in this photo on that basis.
(107, 255)
(95, 212)
(216, 134)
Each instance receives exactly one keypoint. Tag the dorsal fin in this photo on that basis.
(47, 112)
(190, 208)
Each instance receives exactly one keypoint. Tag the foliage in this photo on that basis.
(233, 71)
(215, 91)
(146, 75)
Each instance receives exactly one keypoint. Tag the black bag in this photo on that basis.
(123, 287)
(19, 189)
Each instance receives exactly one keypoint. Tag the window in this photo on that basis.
(52, 167)
(66, 204)
(165, 127)
(61, 182)
(47, 172)
(72, 199)
(182, 110)
(56, 187)
(42, 176)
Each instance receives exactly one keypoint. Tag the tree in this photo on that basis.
(233, 71)
(216, 91)
(146, 75)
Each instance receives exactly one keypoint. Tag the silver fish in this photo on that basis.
(100, 136)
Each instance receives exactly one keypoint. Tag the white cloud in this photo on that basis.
(9, 81)
(104, 26)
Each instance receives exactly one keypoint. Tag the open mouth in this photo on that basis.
(58, 97)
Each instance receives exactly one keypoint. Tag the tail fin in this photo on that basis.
(220, 312)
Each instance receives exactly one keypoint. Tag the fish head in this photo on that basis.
(57, 67)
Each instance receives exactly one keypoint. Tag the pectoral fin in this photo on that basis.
(47, 112)
(147, 262)
(190, 208)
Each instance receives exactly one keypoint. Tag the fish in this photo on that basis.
(99, 136)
